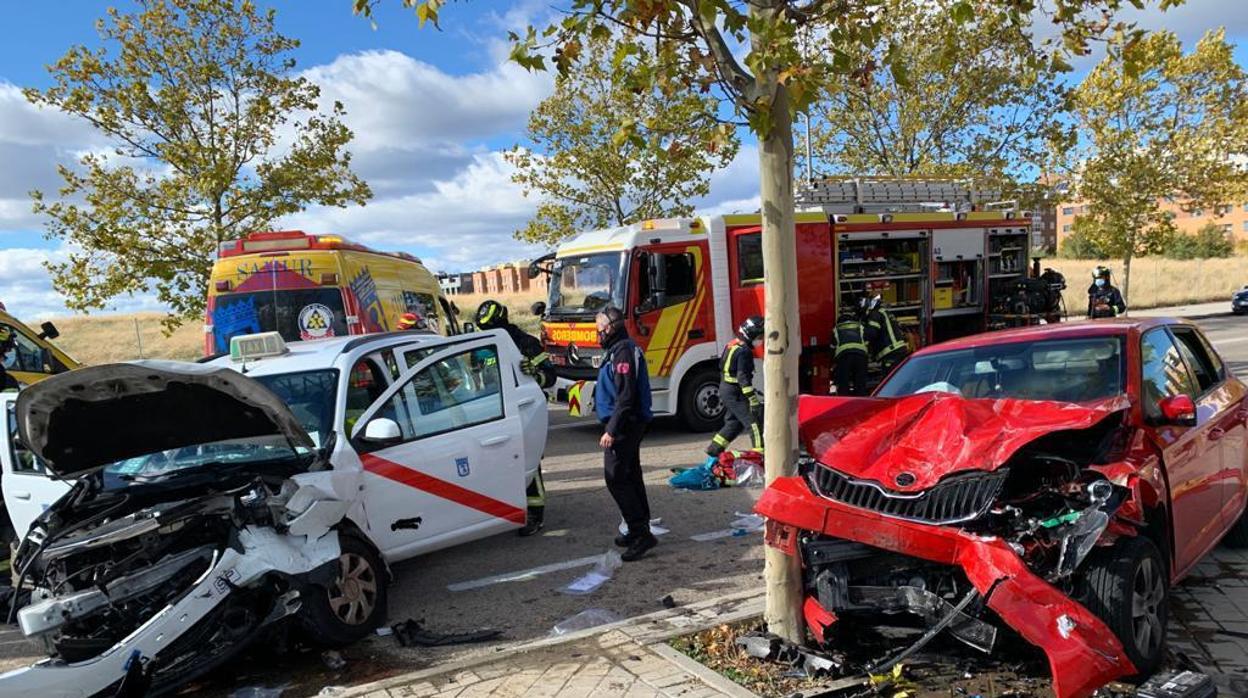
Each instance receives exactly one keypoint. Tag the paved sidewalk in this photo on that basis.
(1209, 627)
(627, 659)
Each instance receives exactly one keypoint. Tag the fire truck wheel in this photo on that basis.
(700, 407)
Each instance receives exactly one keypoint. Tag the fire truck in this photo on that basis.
(944, 257)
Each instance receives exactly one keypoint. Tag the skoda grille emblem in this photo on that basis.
(904, 479)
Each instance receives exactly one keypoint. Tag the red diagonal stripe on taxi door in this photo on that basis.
(441, 488)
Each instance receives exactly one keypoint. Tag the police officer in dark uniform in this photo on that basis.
(8, 343)
(850, 353)
(742, 408)
(622, 402)
(492, 315)
(885, 340)
(1104, 299)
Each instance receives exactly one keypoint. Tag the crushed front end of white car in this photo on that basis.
(202, 514)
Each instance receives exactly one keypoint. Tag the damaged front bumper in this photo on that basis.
(1083, 652)
(160, 645)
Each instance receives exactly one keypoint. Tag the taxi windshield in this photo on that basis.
(585, 284)
(310, 395)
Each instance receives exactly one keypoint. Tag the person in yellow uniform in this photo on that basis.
(743, 410)
(885, 340)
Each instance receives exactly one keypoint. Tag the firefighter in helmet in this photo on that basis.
(885, 340)
(492, 315)
(743, 410)
(1104, 299)
(849, 345)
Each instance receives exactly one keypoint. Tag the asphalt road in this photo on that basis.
(581, 521)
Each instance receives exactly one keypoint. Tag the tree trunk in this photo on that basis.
(782, 345)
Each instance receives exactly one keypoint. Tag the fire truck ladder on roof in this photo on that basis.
(880, 195)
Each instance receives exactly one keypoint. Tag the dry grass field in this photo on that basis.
(1155, 282)
(517, 307)
(96, 339)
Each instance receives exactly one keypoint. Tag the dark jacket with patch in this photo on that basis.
(622, 393)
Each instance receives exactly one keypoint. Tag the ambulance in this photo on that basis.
(309, 287)
(946, 259)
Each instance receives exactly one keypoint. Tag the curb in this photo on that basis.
(670, 623)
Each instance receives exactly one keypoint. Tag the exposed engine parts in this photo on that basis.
(185, 582)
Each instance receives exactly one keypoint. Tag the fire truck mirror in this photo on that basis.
(538, 308)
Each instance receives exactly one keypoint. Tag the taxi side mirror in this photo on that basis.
(1179, 410)
(382, 431)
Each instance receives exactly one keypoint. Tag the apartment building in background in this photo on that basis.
(1233, 219)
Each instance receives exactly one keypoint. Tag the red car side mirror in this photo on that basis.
(1179, 409)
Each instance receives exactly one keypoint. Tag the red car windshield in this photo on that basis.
(1065, 370)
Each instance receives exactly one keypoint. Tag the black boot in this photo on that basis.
(533, 522)
(639, 547)
(624, 540)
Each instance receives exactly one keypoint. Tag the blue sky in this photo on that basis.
(431, 110)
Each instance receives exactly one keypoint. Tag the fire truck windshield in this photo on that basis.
(585, 284)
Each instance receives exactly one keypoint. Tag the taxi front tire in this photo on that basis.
(354, 604)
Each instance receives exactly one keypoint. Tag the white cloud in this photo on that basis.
(393, 99)
(466, 221)
(25, 288)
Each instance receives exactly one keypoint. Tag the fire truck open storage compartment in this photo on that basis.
(1007, 266)
(893, 265)
(957, 282)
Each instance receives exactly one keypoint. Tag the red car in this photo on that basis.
(1055, 479)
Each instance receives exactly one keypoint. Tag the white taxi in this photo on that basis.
(276, 480)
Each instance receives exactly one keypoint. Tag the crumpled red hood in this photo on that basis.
(932, 435)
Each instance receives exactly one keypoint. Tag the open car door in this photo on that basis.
(28, 491)
(443, 450)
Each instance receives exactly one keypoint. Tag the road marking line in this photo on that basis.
(524, 575)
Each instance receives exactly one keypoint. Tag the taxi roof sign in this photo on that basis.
(247, 347)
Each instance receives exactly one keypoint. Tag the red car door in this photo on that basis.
(1192, 460)
(1226, 395)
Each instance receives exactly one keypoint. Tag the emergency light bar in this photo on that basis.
(248, 347)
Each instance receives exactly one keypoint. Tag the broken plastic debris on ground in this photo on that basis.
(412, 633)
(589, 618)
(602, 571)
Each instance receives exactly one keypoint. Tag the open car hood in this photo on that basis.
(907, 444)
(83, 420)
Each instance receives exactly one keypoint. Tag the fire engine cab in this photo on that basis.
(944, 258)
